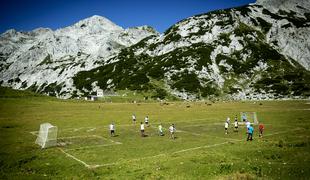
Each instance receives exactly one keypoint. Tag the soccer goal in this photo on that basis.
(47, 136)
(249, 116)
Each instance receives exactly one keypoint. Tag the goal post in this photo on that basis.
(47, 136)
(249, 116)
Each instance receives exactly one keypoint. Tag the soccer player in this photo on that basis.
(236, 125)
(172, 131)
(142, 129)
(160, 130)
(134, 118)
(146, 120)
(250, 133)
(261, 129)
(228, 120)
(226, 127)
(236, 118)
(112, 129)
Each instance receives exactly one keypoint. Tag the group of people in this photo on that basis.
(171, 128)
(249, 127)
(228, 122)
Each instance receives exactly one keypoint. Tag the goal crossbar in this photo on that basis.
(249, 116)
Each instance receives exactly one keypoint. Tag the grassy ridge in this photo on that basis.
(283, 155)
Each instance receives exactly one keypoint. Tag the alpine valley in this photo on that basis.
(258, 51)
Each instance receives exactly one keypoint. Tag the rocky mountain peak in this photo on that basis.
(9, 33)
(98, 22)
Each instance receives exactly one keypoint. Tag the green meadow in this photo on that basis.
(201, 149)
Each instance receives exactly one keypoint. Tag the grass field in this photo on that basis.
(200, 151)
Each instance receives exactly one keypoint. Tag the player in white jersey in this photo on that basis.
(248, 124)
(142, 129)
(134, 118)
(172, 131)
(112, 129)
(146, 120)
(226, 127)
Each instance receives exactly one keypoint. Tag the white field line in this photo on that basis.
(75, 137)
(163, 154)
(208, 146)
(91, 130)
(35, 133)
(75, 158)
(87, 136)
(91, 136)
(213, 145)
(147, 157)
(101, 137)
(282, 132)
(186, 150)
(86, 147)
(200, 147)
(94, 146)
(130, 160)
(76, 129)
(206, 135)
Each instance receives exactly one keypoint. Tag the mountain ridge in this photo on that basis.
(221, 53)
(55, 56)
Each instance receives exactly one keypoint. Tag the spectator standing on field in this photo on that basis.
(261, 128)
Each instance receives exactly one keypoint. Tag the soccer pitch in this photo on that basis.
(201, 149)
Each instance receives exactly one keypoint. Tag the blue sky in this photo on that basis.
(26, 15)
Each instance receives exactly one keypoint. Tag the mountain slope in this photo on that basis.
(44, 60)
(246, 52)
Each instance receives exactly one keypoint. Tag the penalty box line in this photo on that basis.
(86, 147)
(93, 146)
(75, 158)
(75, 137)
(206, 135)
(87, 136)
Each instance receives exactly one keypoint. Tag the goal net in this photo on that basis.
(249, 116)
(47, 136)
